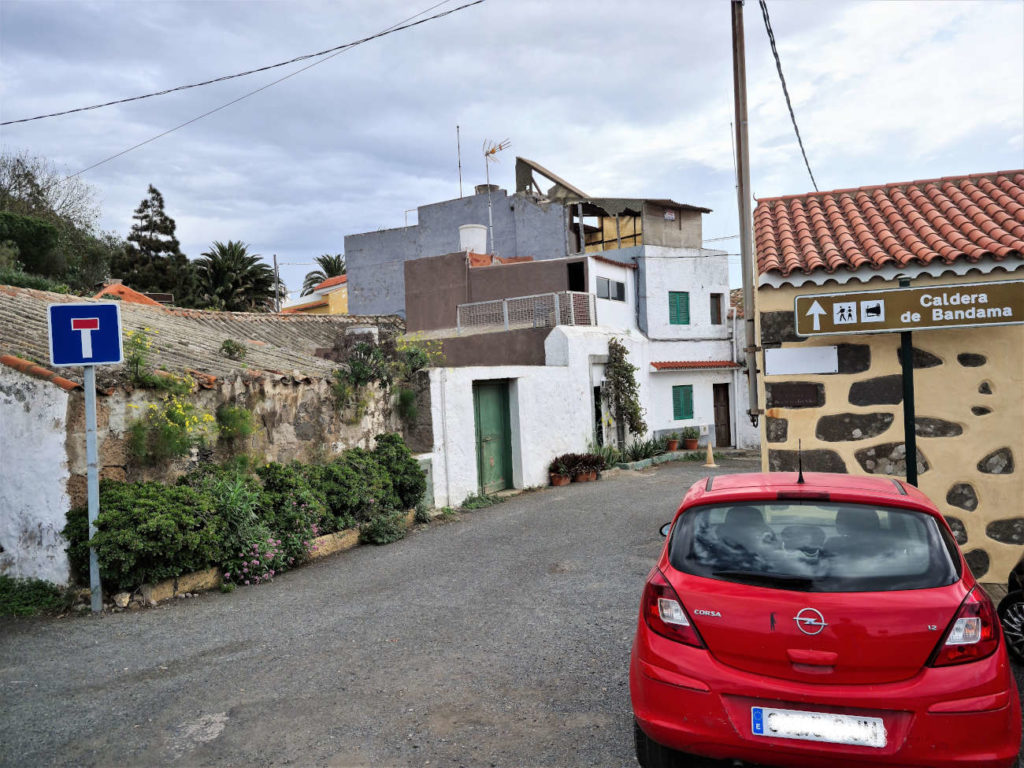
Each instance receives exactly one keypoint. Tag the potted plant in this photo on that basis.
(587, 466)
(559, 470)
(672, 441)
(690, 437)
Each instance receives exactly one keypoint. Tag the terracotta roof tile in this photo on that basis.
(627, 265)
(184, 339)
(683, 365)
(30, 368)
(124, 293)
(330, 282)
(918, 222)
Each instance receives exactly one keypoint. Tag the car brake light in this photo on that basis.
(664, 612)
(973, 634)
(808, 495)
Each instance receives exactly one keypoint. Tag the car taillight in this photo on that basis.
(973, 635)
(664, 612)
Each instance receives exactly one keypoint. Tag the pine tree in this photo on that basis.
(152, 260)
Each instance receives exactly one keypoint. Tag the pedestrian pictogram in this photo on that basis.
(999, 302)
(85, 334)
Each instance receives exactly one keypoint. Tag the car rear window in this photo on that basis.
(813, 546)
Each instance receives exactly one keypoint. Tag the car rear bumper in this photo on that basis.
(706, 710)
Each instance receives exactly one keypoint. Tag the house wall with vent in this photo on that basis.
(968, 384)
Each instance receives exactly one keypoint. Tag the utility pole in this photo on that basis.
(276, 286)
(739, 79)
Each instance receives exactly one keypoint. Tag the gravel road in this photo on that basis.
(500, 638)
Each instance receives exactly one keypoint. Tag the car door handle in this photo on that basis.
(812, 658)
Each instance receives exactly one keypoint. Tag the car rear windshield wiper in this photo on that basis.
(767, 579)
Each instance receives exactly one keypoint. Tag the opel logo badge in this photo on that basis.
(810, 621)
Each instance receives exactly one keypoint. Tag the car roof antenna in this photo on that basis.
(800, 463)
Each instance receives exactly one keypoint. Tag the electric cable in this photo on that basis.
(337, 49)
(275, 82)
(785, 90)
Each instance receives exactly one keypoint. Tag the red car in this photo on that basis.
(818, 620)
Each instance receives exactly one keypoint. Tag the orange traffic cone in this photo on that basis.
(711, 457)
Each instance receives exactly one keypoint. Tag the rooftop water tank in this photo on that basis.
(473, 237)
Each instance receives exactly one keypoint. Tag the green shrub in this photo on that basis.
(383, 529)
(234, 422)
(423, 513)
(405, 404)
(409, 481)
(146, 532)
(233, 349)
(168, 430)
(290, 508)
(27, 597)
(14, 276)
(356, 488)
(479, 501)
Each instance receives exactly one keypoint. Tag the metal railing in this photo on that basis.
(543, 310)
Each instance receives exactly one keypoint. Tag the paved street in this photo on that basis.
(499, 639)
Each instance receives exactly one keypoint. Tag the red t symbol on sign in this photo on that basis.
(86, 325)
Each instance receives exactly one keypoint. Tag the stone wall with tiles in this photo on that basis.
(969, 403)
(294, 420)
(43, 458)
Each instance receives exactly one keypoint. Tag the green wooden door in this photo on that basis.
(493, 436)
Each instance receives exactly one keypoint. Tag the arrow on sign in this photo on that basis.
(816, 312)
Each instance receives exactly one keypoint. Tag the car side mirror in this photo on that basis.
(665, 529)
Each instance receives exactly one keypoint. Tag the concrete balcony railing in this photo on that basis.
(544, 310)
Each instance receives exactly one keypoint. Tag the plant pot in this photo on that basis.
(585, 477)
(690, 445)
(559, 479)
(672, 445)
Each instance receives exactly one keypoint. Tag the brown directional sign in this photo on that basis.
(911, 309)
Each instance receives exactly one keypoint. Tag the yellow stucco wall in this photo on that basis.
(947, 391)
(338, 301)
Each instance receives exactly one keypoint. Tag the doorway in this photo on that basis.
(493, 435)
(723, 425)
(577, 277)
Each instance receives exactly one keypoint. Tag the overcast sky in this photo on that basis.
(619, 98)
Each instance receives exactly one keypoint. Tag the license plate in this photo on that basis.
(817, 726)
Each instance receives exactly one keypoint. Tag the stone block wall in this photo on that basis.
(969, 398)
(295, 419)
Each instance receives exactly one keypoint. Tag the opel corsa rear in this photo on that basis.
(830, 622)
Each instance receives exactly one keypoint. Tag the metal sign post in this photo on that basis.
(87, 335)
(906, 309)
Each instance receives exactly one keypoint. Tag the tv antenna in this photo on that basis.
(491, 150)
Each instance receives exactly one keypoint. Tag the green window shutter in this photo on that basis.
(682, 402)
(678, 308)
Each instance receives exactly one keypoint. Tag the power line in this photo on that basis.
(785, 90)
(395, 28)
(336, 49)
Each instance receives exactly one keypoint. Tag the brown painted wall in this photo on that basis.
(522, 347)
(683, 232)
(434, 287)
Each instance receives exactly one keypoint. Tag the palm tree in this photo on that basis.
(234, 280)
(330, 266)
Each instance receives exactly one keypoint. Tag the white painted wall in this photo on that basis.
(33, 478)
(615, 315)
(548, 417)
(700, 272)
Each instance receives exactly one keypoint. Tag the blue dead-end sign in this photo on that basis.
(85, 334)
